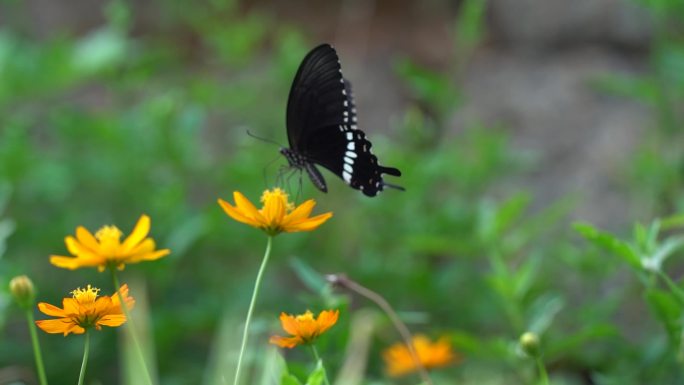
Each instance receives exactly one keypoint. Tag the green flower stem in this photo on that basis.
(543, 375)
(86, 349)
(318, 359)
(36, 347)
(131, 326)
(315, 353)
(255, 293)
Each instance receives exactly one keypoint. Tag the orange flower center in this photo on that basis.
(306, 317)
(87, 314)
(277, 194)
(108, 234)
(85, 296)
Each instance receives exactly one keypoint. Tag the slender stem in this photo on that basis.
(255, 293)
(86, 349)
(510, 304)
(318, 359)
(679, 294)
(131, 327)
(398, 324)
(543, 375)
(676, 290)
(36, 347)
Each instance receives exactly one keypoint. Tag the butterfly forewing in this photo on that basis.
(317, 97)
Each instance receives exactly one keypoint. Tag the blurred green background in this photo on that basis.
(509, 121)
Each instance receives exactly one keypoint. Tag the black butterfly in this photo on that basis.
(321, 127)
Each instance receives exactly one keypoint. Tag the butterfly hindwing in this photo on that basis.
(322, 127)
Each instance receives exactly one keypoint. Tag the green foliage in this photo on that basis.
(99, 127)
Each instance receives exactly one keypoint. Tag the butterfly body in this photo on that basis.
(322, 127)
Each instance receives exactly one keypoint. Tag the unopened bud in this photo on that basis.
(23, 291)
(529, 343)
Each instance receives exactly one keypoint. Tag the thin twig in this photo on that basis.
(343, 281)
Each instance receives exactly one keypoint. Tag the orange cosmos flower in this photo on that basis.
(85, 310)
(105, 248)
(399, 360)
(277, 215)
(304, 328)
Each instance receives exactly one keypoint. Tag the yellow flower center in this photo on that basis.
(306, 317)
(85, 296)
(277, 194)
(108, 234)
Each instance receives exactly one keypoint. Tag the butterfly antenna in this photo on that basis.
(264, 139)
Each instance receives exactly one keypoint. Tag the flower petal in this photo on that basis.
(285, 342)
(289, 323)
(140, 231)
(149, 256)
(72, 263)
(112, 320)
(77, 249)
(143, 247)
(246, 207)
(238, 215)
(51, 310)
(70, 306)
(55, 326)
(274, 210)
(87, 239)
(307, 224)
(326, 319)
(124, 293)
(301, 212)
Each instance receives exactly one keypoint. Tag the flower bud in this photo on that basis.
(23, 291)
(529, 343)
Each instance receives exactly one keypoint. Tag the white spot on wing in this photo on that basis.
(350, 135)
(346, 176)
(350, 154)
(348, 168)
(348, 160)
(351, 146)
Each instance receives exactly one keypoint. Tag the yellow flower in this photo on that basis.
(106, 249)
(304, 328)
(399, 360)
(85, 310)
(277, 215)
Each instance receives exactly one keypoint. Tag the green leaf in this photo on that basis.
(655, 261)
(672, 222)
(469, 24)
(544, 310)
(289, 379)
(667, 310)
(317, 376)
(609, 242)
(314, 280)
(511, 211)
